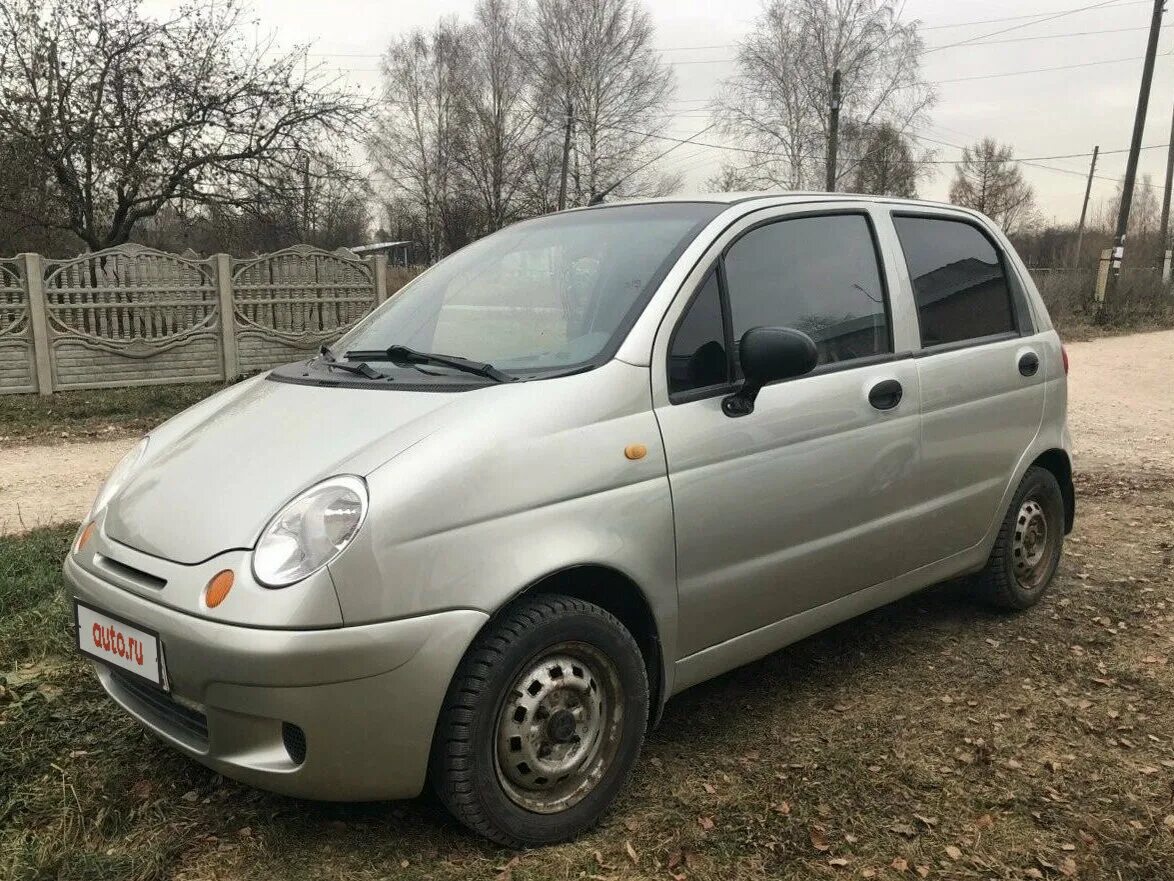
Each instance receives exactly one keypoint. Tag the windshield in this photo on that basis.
(555, 292)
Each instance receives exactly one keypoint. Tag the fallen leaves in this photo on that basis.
(819, 838)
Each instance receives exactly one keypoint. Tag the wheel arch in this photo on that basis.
(617, 593)
(1058, 462)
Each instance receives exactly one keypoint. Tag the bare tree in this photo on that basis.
(777, 101)
(987, 179)
(123, 113)
(416, 143)
(603, 90)
(502, 124)
(1144, 242)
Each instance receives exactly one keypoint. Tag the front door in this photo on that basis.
(804, 500)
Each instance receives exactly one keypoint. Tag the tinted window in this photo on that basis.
(697, 356)
(819, 275)
(958, 280)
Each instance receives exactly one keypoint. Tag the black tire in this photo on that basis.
(466, 771)
(1008, 582)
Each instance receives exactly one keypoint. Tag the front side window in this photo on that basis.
(958, 280)
(697, 353)
(555, 292)
(820, 275)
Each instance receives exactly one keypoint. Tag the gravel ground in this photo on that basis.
(1121, 410)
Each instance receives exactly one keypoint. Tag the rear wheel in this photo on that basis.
(542, 723)
(1027, 551)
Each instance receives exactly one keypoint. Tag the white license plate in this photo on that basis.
(120, 644)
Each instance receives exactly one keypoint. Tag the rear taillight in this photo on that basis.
(1064, 356)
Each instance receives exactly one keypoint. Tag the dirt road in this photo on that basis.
(1121, 399)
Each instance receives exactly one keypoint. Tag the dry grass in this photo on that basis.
(95, 414)
(929, 738)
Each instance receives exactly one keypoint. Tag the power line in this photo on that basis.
(992, 76)
(962, 24)
(1053, 17)
(1048, 37)
(968, 42)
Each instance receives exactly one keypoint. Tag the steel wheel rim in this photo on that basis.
(558, 728)
(1031, 545)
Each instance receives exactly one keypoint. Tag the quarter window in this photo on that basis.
(819, 275)
(697, 355)
(958, 279)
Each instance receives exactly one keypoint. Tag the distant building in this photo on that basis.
(398, 253)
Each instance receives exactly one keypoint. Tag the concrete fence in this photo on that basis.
(135, 316)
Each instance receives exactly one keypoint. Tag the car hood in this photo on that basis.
(214, 475)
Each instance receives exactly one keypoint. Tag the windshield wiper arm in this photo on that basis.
(404, 355)
(360, 369)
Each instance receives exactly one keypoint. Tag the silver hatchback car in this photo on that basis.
(580, 465)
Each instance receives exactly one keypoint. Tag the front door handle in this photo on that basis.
(1029, 364)
(886, 395)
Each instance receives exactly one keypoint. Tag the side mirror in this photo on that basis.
(768, 354)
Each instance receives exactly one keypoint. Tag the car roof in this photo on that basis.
(783, 197)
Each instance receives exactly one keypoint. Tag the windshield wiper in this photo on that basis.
(404, 355)
(360, 369)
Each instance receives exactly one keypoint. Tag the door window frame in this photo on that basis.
(717, 264)
(1022, 322)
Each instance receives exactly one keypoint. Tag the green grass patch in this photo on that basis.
(32, 610)
(97, 413)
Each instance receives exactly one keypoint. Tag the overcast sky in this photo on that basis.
(1039, 114)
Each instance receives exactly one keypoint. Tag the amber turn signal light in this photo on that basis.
(84, 538)
(218, 588)
(635, 451)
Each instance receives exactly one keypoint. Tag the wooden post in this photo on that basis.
(1084, 209)
(34, 279)
(1103, 275)
(231, 357)
(833, 132)
(1143, 100)
(378, 263)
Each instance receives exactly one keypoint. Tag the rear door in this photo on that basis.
(981, 370)
(804, 500)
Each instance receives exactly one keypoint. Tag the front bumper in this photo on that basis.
(365, 698)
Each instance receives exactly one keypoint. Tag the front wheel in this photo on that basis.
(542, 723)
(1027, 551)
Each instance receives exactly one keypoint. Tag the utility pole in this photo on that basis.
(833, 131)
(1143, 100)
(1084, 208)
(306, 198)
(562, 180)
(1165, 227)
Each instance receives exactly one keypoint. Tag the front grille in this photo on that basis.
(153, 702)
(129, 573)
(294, 739)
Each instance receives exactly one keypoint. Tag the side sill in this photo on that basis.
(717, 659)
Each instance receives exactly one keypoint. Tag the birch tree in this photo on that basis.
(778, 99)
(604, 91)
(417, 138)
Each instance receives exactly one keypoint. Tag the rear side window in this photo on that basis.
(959, 280)
(819, 275)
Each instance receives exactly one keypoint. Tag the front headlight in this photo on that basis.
(310, 531)
(118, 476)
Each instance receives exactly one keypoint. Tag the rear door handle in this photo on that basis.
(1029, 363)
(886, 395)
